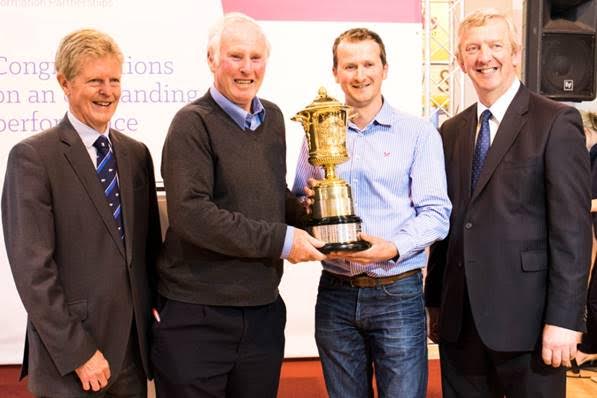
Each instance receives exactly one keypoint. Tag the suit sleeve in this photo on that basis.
(567, 182)
(189, 178)
(437, 257)
(154, 233)
(435, 273)
(28, 223)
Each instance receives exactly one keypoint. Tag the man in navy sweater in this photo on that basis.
(221, 323)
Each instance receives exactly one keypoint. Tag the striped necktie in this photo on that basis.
(108, 176)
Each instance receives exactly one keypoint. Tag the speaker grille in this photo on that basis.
(567, 66)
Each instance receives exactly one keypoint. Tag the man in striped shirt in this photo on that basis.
(370, 308)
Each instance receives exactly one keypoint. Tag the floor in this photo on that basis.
(583, 385)
(302, 378)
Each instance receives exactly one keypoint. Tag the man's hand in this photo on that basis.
(309, 194)
(304, 248)
(94, 373)
(559, 345)
(433, 324)
(380, 250)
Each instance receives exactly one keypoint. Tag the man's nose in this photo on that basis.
(360, 73)
(106, 88)
(246, 65)
(485, 53)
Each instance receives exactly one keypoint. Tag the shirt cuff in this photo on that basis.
(404, 246)
(287, 242)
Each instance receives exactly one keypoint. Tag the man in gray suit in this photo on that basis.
(81, 229)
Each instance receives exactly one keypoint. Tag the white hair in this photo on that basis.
(214, 37)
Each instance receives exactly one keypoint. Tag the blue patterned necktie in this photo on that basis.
(107, 173)
(481, 148)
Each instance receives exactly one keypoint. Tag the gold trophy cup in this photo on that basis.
(332, 217)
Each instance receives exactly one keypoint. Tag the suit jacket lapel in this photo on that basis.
(466, 145)
(125, 184)
(78, 157)
(509, 129)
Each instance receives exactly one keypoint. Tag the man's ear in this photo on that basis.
(517, 56)
(211, 61)
(460, 63)
(64, 83)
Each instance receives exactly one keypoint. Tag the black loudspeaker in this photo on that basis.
(560, 56)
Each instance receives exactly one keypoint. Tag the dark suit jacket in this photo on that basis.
(79, 283)
(520, 244)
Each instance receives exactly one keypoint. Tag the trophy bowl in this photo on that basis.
(332, 217)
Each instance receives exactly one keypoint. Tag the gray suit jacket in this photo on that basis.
(80, 285)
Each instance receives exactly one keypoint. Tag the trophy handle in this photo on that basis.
(304, 120)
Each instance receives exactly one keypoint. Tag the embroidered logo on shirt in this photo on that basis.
(386, 154)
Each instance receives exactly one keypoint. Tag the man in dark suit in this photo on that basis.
(81, 229)
(511, 276)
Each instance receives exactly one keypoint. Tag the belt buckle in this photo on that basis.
(363, 281)
(353, 281)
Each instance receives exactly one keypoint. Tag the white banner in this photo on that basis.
(164, 44)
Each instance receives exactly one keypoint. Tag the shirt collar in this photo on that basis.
(499, 107)
(241, 117)
(88, 134)
(384, 117)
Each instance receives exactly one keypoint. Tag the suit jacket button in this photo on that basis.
(468, 225)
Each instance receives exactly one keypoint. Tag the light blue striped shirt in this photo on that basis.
(397, 175)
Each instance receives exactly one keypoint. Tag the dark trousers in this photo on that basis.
(589, 339)
(470, 369)
(216, 351)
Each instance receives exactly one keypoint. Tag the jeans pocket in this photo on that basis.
(405, 288)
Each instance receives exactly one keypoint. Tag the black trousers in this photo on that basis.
(216, 351)
(470, 369)
(589, 339)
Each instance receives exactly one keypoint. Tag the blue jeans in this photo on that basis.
(358, 330)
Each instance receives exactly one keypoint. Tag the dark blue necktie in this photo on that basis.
(107, 173)
(481, 148)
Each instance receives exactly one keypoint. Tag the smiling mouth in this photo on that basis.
(104, 104)
(487, 70)
(243, 82)
(361, 85)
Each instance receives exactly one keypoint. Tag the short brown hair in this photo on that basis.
(80, 44)
(359, 34)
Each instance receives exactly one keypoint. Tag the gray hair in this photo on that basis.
(214, 36)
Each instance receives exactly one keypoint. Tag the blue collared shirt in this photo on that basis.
(251, 121)
(397, 175)
(245, 120)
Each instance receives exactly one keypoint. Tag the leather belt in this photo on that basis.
(364, 280)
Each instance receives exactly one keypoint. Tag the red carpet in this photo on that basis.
(301, 378)
(304, 379)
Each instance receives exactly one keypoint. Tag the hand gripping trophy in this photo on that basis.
(332, 218)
